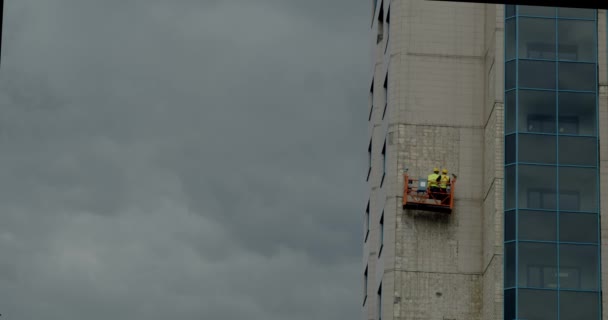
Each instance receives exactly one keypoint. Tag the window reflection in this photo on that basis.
(509, 265)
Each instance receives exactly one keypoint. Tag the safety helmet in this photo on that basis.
(436, 170)
(445, 171)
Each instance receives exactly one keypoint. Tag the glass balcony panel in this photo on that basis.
(578, 189)
(510, 111)
(510, 39)
(510, 10)
(510, 265)
(509, 75)
(537, 39)
(537, 111)
(510, 152)
(577, 40)
(537, 225)
(537, 265)
(510, 225)
(576, 13)
(579, 305)
(537, 11)
(509, 304)
(510, 187)
(577, 112)
(578, 267)
(576, 76)
(537, 304)
(541, 75)
(578, 227)
(537, 148)
(580, 151)
(537, 187)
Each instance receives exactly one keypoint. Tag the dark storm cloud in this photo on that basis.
(182, 159)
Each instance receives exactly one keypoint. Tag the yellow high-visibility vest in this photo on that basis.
(445, 179)
(433, 179)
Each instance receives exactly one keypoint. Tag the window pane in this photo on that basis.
(578, 305)
(578, 189)
(576, 13)
(537, 38)
(577, 113)
(537, 111)
(510, 149)
(578, 151)
(510, 75)
(509, 225)
(510, 111)
(577, 40)
(577, 76)
(539, 74)
(578, 227)
(510, 39)
(537, 225)
(578, 267)
(510, 265)
(537, 304)
(537, 187)
(537, 265)
(510, 10)
(537, 148)
(509, 304)
(510, 187)
(537, 11)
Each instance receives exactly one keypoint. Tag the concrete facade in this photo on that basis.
(444, 65)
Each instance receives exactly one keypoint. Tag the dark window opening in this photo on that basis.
(385, 95)
(381, 234)
(383, 163)
(380, 24)
(369, 160)
(380, 302)
(367, 222)
(365, 286)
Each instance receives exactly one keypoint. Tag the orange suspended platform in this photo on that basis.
(418, 195)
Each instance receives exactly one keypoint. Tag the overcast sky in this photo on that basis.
(183, 159)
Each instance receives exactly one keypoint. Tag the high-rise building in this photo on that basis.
(512, 100)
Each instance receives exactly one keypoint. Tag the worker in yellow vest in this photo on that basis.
(444, 183)
(433, 180)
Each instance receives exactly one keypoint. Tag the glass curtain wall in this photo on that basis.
(551, 218)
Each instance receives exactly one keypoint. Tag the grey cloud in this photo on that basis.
(182, 159)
